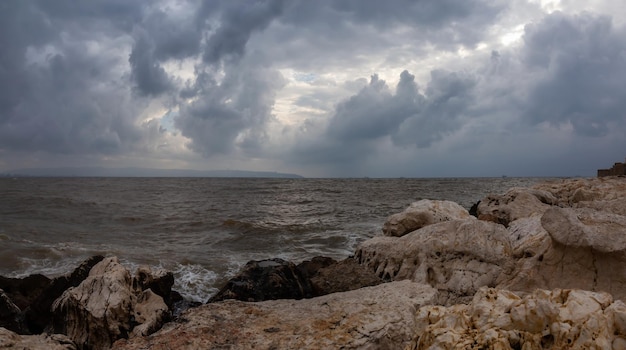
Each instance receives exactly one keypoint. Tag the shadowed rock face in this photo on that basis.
(266, 280)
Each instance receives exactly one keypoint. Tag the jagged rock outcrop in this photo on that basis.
(423, 213)
(379, 317)
(500, 319)
(38, 314)
(105, 307)
(10, 314)
(159, 281)
(11, 340)
(33, 296)
(586, 249)
(456, 257)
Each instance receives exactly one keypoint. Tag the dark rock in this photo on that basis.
(278, 279)
(10, 315)
(266, 280)
(343, 276)
(309, 268)
(38, 315)
(23, 291)
(474, 209)
(159, 281)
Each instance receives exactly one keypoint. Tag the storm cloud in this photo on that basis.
(321, 88)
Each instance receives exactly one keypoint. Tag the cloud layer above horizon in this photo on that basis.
(320, 88)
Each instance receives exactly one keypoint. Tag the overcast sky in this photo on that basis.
(322, 88)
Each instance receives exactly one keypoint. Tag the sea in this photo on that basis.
(205, 229)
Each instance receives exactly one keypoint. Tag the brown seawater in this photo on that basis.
(204, 229)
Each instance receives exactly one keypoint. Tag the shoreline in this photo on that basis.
(566, 234)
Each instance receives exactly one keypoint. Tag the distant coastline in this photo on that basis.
(140, 172)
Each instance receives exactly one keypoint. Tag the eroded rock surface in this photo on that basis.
(379, 317)
(105, 307)
(500, 319)
(456, 257)
(516, 203)
(423, 213)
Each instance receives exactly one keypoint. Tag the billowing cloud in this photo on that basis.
(284, 84)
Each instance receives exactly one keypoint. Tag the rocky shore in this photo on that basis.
(532, 268)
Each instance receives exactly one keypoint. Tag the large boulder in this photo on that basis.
(423, 213)
(105, 307)
(586, 249)
(266, 280)
(11, 340)
(379, 317)
(456, 257)
(500, 319)
(38, 314)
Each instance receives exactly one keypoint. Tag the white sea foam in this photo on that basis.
(194, 282)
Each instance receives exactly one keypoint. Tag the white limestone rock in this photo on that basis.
(100, 310)
(515, 204)
(456, 257)
(423, 213)
(500, 319)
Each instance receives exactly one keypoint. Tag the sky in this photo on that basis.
(324, 88)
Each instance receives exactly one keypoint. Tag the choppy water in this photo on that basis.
(204, 229)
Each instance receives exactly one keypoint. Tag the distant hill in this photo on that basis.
(142, 172)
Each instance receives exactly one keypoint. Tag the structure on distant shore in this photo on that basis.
(617, 169)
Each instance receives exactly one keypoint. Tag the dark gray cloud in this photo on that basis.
(232, 113)
(149, 77)
(94, 78)
(58, 92)
(580, 67)
(238, 21)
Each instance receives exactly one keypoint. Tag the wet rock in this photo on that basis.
(160, 281)
(500, 319)
(23, 291)
(456, 257)
(38, 315)
(422, 213)
(266, 280)
(105, 307)
(11, 340)
(379, 317)
(310, 268)
(10, 315)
